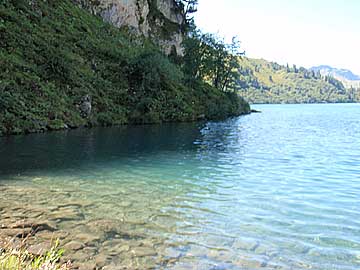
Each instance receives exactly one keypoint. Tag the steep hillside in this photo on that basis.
(61, 67)
(161, 20)
(266, 82)
(348, 78)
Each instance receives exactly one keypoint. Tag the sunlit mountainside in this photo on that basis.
(268, 82)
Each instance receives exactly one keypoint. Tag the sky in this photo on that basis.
(302, 32)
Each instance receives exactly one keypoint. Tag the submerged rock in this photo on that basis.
(66, 214)
(19, 233)
(101, 260)
(85, 266)
(249, 245)
(74, 245)
(48, 235)
(39, 249)
(87, 239)
(143, 251)
(34, 225)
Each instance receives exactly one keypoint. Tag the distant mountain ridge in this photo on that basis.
(347, 77)
(261, 81)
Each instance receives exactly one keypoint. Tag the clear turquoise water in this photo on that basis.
(276, 190)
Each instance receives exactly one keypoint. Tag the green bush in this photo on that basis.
(53, 53)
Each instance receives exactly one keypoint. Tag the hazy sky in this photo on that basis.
(302, 32)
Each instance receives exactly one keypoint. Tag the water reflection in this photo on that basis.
(277, 190)
(19, 154)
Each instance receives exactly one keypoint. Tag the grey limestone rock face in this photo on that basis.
(131, 13)
(138, 16)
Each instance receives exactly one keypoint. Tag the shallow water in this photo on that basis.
(276, 190)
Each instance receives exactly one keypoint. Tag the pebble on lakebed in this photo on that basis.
(124, 241)
(88, 243)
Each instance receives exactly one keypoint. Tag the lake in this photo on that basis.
(275, 190)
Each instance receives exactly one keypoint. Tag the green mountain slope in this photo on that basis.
(266, 82)
(56, 59)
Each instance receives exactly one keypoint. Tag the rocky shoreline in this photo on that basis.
(129, 241)
(88, 245)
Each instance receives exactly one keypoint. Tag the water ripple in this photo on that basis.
(277, 190)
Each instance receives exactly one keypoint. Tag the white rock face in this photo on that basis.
(131, 13)
(174, 42)
(167, 8)
(136, 15)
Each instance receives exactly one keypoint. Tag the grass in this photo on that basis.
(21, 259)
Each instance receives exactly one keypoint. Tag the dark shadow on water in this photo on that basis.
(71, 149)
(74, 149)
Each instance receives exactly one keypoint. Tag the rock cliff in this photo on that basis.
(161, 20)
(61, 67)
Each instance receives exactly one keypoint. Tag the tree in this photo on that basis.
(295, 68)
(231, 64)
(193, 57)
(209, 58)
(188, 8)
(287, 68)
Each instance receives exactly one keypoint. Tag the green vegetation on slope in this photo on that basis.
(266, 82)
(53, 54)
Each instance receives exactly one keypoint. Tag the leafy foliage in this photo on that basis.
(188, 8)
(209, 58)
(53, 53)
